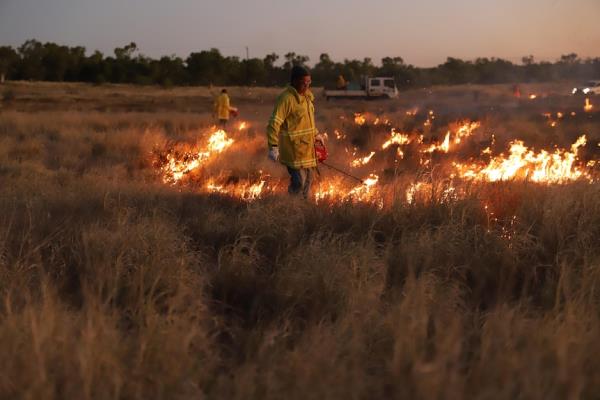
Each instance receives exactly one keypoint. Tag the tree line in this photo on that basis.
(34, 60)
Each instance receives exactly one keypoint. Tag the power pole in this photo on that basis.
(247, 66)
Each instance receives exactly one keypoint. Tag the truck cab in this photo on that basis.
(369, 88)
(381, 87)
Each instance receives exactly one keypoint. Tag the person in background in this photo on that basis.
(341, 83)
(516, 91)
(223, 108)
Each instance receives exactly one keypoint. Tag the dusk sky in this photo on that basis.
(423, 32)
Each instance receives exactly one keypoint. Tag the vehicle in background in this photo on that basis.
(378, 87)
(591, 87)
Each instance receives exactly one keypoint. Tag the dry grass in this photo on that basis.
(113, 285)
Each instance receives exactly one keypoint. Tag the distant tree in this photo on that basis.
(292, 59)
(126, 52)
(31, 67)
(493, 70)
(256, 73)
(455, 70)
(528, 60)
(94, 68)
(50, 61)
(206, 67)
(324, 72)
(395, 67)
(9, 59)
(571, 58)
(55, 60)
(568, 65)
(169, 71)
(274, 75)
(270, 60)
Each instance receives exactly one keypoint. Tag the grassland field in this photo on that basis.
(117, 284)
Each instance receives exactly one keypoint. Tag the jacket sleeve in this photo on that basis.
(280, 113)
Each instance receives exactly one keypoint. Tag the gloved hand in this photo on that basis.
(274, 153)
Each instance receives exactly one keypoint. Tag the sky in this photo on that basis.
(423, 32)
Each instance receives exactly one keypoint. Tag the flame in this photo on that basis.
(588, 105)
(520, 163)
(533, 96)
(339, 135)
(243, 125)
(444, 146)
(362, 161)
(524, 163)
(335, 191)
(218, 142)
(245, 190)
(442, 192)
(396, 138)
(412, 190)
(254, 191)
(179, 164)
(364, 191)
(212, 187)
(465, 130)
(359, 119)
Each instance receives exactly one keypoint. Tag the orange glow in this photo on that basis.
(362, 161)
(359, 119)
(396, 138)
(199, 167)
(524, 164)
(179, 164)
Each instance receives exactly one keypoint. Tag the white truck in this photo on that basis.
(378, 87)
(591, 87)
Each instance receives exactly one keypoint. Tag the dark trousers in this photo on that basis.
(223, 123)
(300, 181)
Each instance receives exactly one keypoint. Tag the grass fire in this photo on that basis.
(448, 246)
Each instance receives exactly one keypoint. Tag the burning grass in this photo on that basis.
(185, 167)
(153, 256)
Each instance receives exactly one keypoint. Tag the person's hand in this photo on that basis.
(274, 153)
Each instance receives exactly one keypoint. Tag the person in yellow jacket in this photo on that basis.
(291, 132)
(222, 108)
(341, 83)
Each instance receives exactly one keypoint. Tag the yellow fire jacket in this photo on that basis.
(292, 128)
(222, 106)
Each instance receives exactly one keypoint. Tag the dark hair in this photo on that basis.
(224, 91)
(298, 72)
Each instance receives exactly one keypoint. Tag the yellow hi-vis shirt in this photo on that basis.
(292, 128)
(222, 106)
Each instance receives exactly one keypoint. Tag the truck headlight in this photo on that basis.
(574, 90)
(586, 90)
